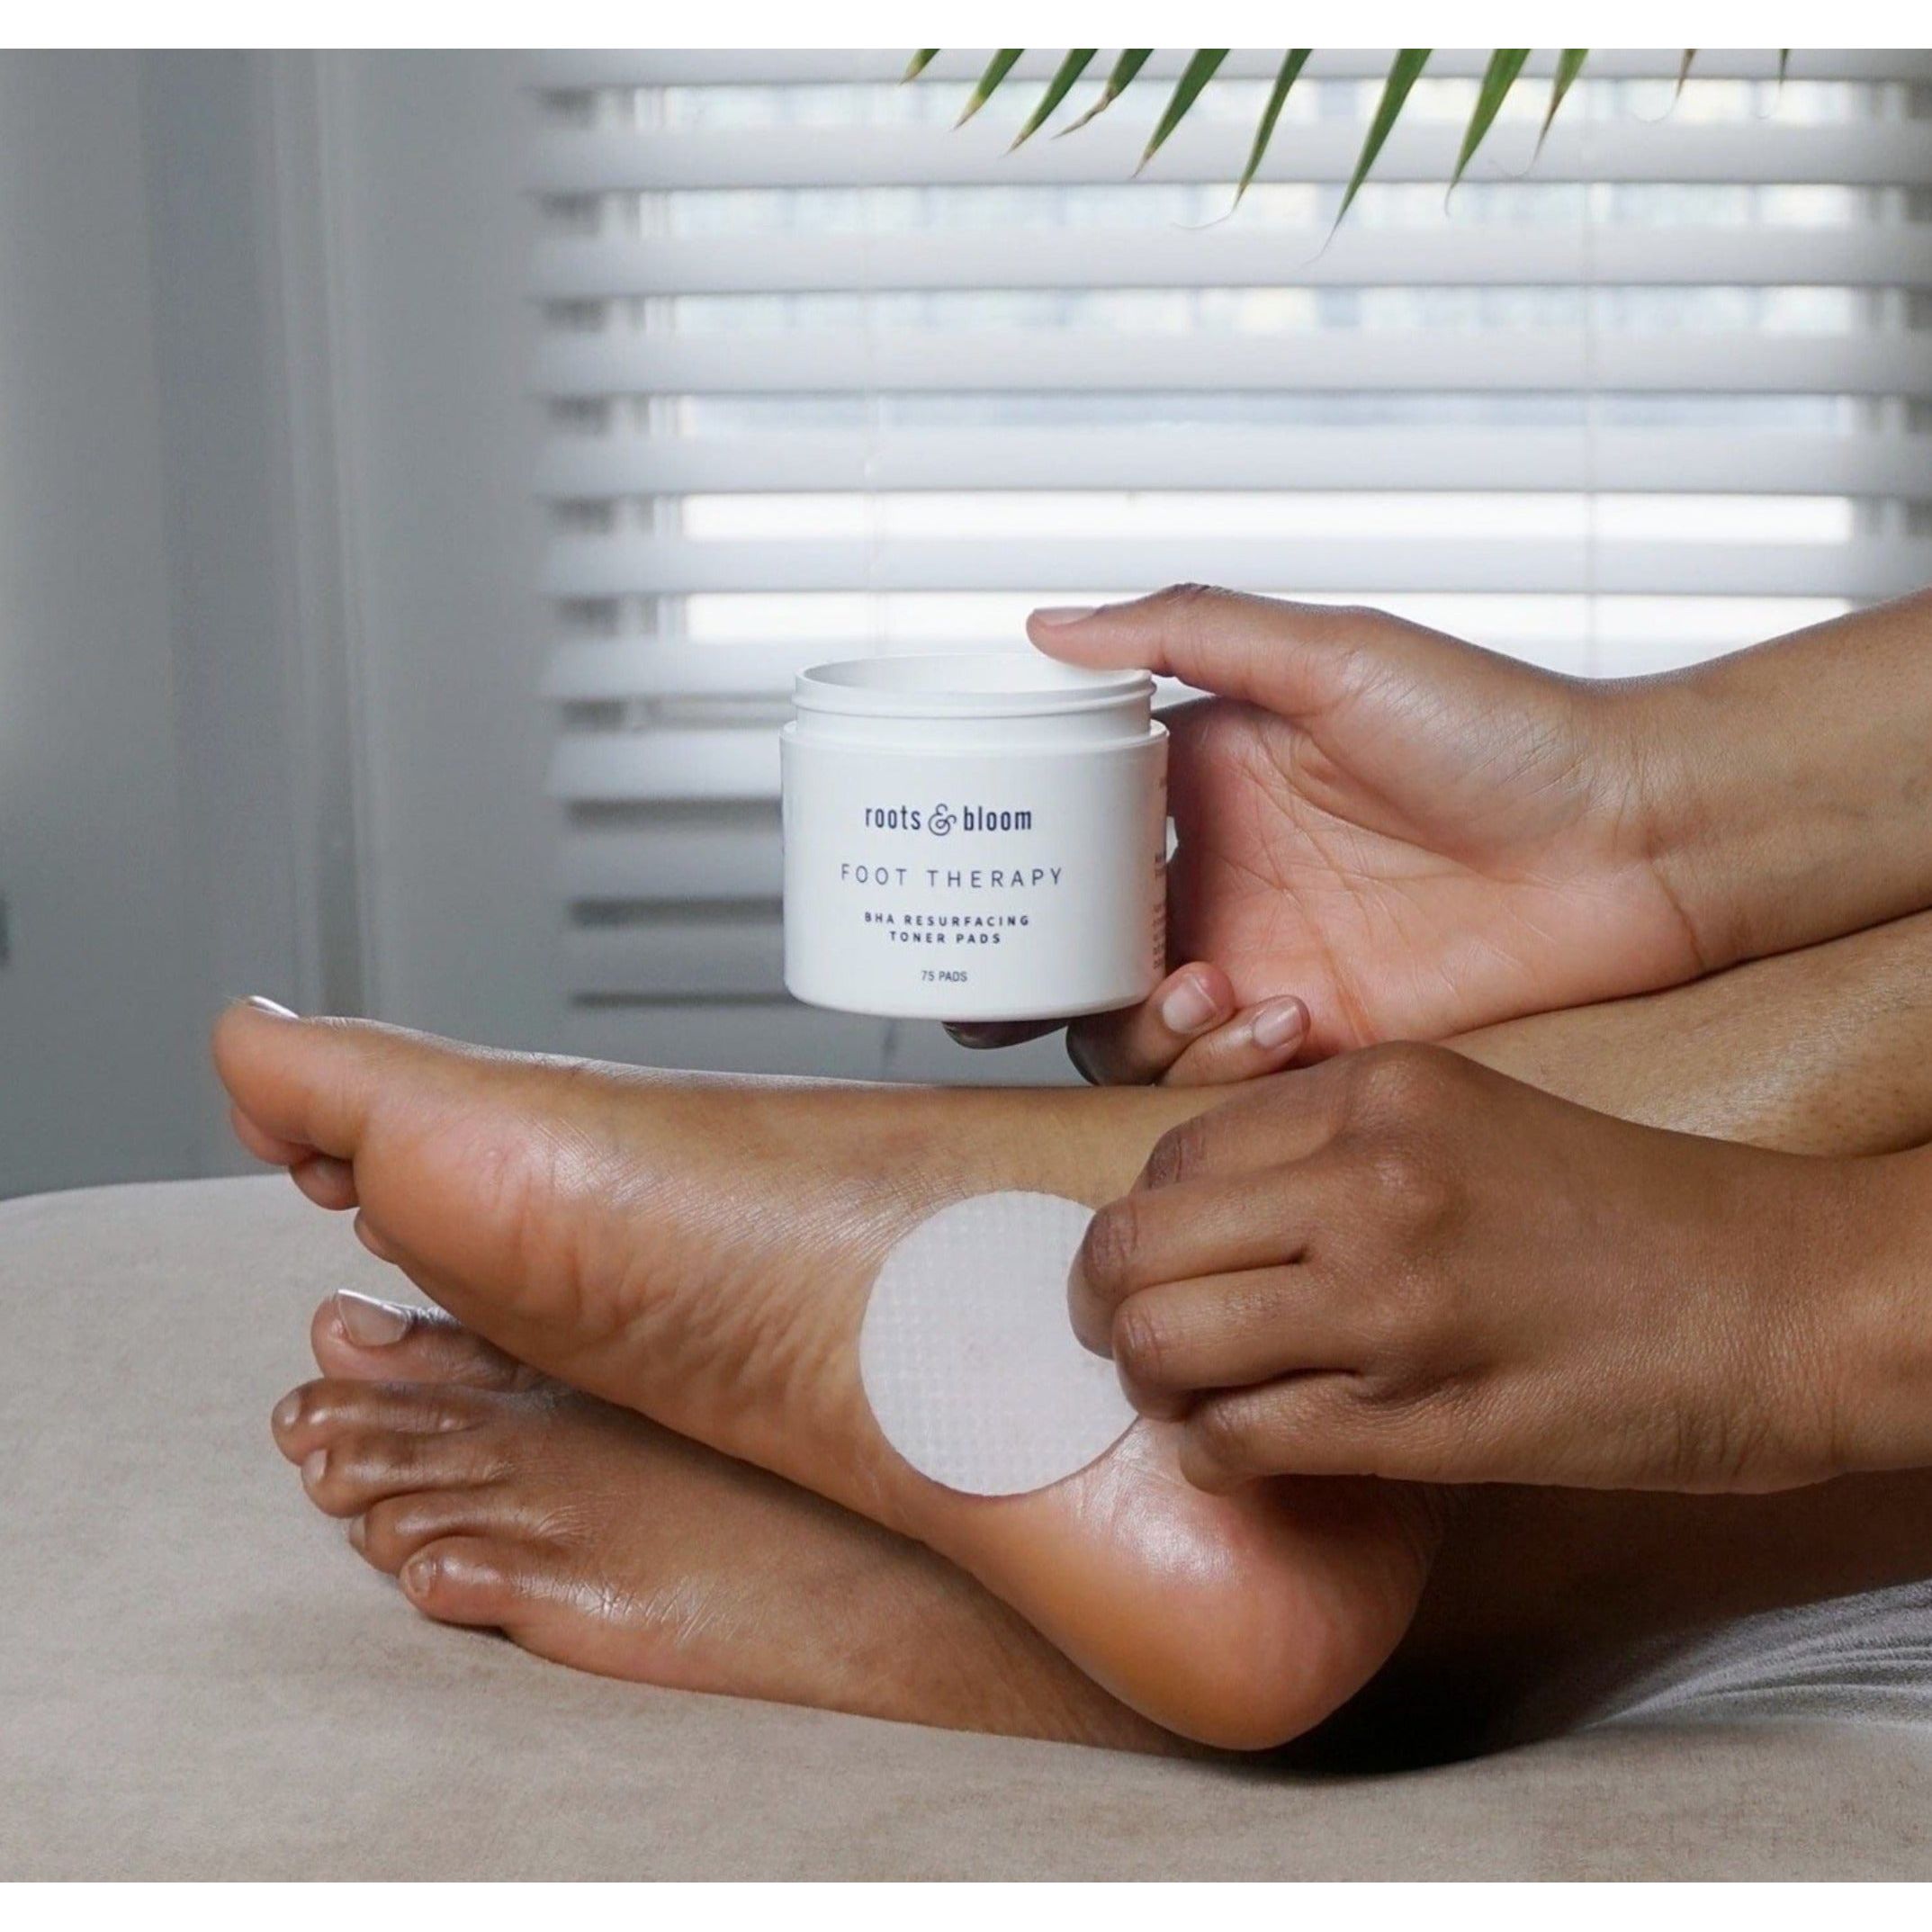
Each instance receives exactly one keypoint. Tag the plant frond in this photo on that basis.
(1194, 76)
(997, 69)
(1404, 71)
(1058, 88)
(1498, 77)
(1132, 59)
(1569, 64)
(1298, 59)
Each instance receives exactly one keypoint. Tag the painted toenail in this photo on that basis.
(287, 1412)
(314, 1466)
(419, 1574)
(370, 1323)
(271, 1007)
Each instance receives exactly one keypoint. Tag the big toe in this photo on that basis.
(358, 1338)
(308, 1085)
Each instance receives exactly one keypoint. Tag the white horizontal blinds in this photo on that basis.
(825, 376)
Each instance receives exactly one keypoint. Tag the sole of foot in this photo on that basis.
(698, 1250)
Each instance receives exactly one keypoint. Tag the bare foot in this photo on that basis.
(700, 1251)
(598, 1540)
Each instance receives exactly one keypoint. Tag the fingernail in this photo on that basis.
(268, 1006)
(990, 1033)
(1277, 1023)
(369, 1322)
(1055, 614)
(968, 1036)
(287, 1412)
(1190, 1007)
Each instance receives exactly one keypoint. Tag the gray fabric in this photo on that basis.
(1864, 1659)
(197, 1679)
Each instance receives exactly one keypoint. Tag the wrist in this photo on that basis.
(1674, 782)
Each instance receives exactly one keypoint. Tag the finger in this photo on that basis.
(983, 1035)
(1323, 1425)
(1282, 1116)
(1288, 658)
(1253, 1043)
(1230, 1331)
(1131, 1048)
(1210, 1227)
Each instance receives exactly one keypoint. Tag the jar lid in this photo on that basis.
(1002, 684)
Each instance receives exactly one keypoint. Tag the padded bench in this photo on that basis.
(197, 1679)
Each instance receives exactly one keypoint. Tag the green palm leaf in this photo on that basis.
(1503, 69)
(1298, 59)
(1569, 64)
(1132, 59)
(1064, 75)
(997, 69)
(1404, 71)
(1498, 77)
(1194, 76)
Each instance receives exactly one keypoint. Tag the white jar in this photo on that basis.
(974, 838)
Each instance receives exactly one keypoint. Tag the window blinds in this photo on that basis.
(823, 376)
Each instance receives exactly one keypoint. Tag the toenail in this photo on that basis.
(370, 1323)
(270, 1007)
(287, 1412)
(314, 1467)
(419, 1574)
(358, 1531)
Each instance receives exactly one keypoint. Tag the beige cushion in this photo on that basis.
(198, 1679)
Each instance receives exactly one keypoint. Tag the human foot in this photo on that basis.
(594, 1538)
(700, 1250)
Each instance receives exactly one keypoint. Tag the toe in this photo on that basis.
(318, 1413)
(308, 1082)
(263, 1145)
(390, 1531)
(360, 1466)
(474, 1579)
(361, 1338)
(327, 1182)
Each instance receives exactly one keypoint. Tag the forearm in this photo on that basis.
(1827, 1050)
(1787, 790)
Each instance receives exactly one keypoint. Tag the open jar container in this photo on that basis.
(974, 838)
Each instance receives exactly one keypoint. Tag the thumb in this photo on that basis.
(1286, 658)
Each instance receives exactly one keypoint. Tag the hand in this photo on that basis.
(1186, 1033)
(1398, 1263)
(1413, 835)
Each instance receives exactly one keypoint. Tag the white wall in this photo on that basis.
(270, 648)
(96, 1017)
(159, 838)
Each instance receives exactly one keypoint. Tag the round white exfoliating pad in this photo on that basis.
(969, 1359)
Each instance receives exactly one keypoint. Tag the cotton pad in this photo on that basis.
(967, 1356)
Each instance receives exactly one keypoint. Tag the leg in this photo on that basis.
(699, 1250)
(1819, 1052)
(1813, 1050)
